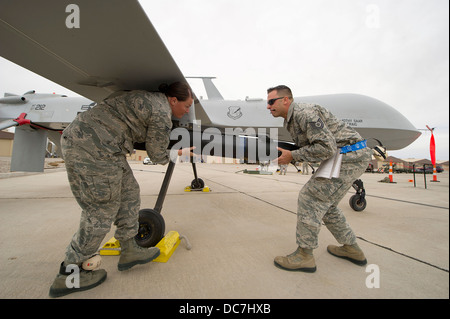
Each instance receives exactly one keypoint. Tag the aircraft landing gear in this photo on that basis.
(358, 201)
(151, 223)
(151, 228)
(197, 183)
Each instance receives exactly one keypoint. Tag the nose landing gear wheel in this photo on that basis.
(358, 203)
(151, 228)
(197, 184)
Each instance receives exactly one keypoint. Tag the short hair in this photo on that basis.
(281, 90)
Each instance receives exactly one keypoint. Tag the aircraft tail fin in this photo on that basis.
(211, 90)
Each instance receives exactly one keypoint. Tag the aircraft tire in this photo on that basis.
(357, 203)
(151, 228)
(197, 185)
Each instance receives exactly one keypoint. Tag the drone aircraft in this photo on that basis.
(96, 48)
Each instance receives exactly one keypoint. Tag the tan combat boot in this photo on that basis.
(132, 254)
(79, 280)
(300, 260)
(350, 252)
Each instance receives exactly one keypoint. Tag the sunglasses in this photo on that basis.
(272, 101)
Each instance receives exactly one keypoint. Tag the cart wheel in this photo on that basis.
(197, 184)
(357, 203)
(151, 228)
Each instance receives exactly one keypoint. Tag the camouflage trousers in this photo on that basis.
(318, 201)
(107, 192)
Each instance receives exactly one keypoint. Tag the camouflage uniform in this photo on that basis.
(319, 134)
(94, 147)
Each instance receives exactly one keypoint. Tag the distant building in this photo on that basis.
(405, 164)
(6, 143)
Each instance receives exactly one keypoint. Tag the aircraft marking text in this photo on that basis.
(352, 122)
(39, 107)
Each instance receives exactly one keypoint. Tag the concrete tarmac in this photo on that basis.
(235, 231)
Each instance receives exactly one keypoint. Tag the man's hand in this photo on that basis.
(285, 157)
(186, 151)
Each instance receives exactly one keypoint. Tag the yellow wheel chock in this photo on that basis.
(205, 189)
(167, 246)
(111, 248)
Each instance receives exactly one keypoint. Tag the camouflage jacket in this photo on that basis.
(317, 132)
(124, 118)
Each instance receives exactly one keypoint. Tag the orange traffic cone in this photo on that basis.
(391, 177)
(434, 174)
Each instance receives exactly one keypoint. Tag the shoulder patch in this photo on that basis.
(318, 124)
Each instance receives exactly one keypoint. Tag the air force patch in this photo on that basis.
(318, 124)
(234, 112)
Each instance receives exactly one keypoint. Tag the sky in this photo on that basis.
(396, 51)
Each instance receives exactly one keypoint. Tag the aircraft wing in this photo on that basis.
(114, 48)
